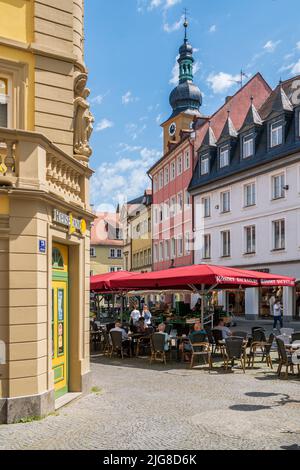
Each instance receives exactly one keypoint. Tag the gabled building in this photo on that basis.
(106, 244)
(247, 195)
(136, 225)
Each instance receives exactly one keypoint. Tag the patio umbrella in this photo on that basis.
(102, 282)
(200, 278)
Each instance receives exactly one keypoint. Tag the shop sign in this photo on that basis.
(73, 224)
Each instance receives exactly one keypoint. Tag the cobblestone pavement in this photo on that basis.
(170, 407)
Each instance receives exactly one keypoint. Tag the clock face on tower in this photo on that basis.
(172, 129)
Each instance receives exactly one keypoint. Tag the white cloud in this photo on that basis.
(128, 98)
(213, 28)
(104, 124)
(170, 28)
(128, 175)
(175, 73)
(149, 5)
(171, 3)
(298, 45)
(158, 119)
(294, 68)
(99, 98)
(134, 131)
(270, 46)
(221, 82)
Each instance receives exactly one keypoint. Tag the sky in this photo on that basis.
(130, 51)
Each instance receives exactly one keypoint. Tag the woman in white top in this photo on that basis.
(146, 314)
(135, 315)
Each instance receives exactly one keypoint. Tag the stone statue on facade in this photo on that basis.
(83, 119)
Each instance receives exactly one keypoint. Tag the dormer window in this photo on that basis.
(248, 146)
(224, 156)
(204, 165)
(276, 137)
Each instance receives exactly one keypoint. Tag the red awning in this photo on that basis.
(196, 276)
(102, 282)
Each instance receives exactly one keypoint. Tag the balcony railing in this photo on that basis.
(29, 160)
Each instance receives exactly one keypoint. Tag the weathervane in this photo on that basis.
(186, 23)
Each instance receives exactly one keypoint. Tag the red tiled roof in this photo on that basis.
(238, 105)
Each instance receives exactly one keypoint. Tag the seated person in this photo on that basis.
(196, 329)
(161, 329)
(140, 326)
(225, 331)
(125, 339)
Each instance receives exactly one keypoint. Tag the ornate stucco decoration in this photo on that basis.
(83, 119)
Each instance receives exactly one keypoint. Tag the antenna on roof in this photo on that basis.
(241, 80)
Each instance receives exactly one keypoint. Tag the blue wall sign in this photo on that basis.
(42, 246)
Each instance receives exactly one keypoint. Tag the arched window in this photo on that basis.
(57, 259)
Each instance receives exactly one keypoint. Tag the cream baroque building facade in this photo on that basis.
(45, 216)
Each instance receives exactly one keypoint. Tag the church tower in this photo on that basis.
(185, 99)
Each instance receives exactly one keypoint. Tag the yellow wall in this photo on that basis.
(16, 20)
(4, 205)
(15, 55)
(101, 263)
(182, 122)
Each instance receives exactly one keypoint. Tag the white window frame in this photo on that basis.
(187, 198)
(227, 244)
(187, 244)
(161, 179)
(179, 246)
(276, 136)
(173, 248)
(248, 146)
(179, 165)
(167, 250)
(7, 99)
(119, 253)
(180, 202)
(206, 255)
(167, 209)
(282, 240)
(250, 230)
(204, 164)
(252, 185)
(166, 175)
(112, 253)
(223, 209)
(93, 252)
(161, 251)
(173, 205)
(206, 203)
(281, 192)
(224, 162)
(155, 183)
(155, 254)
(172, 170)
(187, 160)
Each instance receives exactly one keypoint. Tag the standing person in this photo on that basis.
(146, 314)
(272, 301)
(277, 312)
(135, 315)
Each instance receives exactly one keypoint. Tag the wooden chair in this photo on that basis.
(117, 345)
(158, 342)
(218, 336)
(285, 359)
(200, 348)
(234, 349)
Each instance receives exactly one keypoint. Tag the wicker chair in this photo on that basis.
(234, 350)
(200, 348)
(218, 336)
(257, 345)
(158, 341)
(285, 359)
(117, 345)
